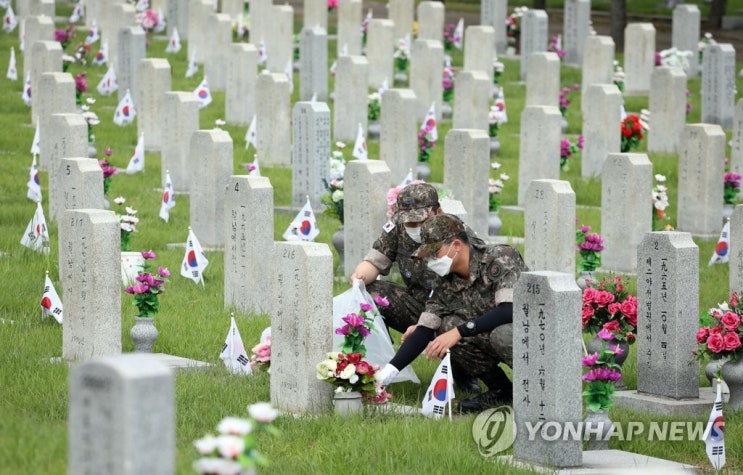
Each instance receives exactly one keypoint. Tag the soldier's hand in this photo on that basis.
(437, 348)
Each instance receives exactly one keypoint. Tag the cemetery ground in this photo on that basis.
(193, 321)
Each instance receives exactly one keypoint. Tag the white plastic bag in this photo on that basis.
(379, 348)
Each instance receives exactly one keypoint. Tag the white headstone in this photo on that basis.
(45, 58)
(279, 37)
(351, 94)
(66, 136)
(79, 185)
(349, 26)
(601, 109)
(120, 16)
(736, 142)
(313, 60)
(426, 58)
(177, 16)
(154, 81)
(431, 20)
(380, 46)
(549, 229)
(543, 87)
(598, 64)
(466, 172)
(217, 45)
(493, 13)
(180, 121)
(473, 98)
(478, 50)
(539, 154)
(735, 276)
(242, 74)
(199, 11)
(310, 152)
(315, 13)
(398, 142)
(576, 26)
(56, 95)
(685, 36)
(273, 116)
(534, 35)
(639, 57)
(402, 13)
(37, 28)
(132, 49)
(667, 104)
(718, 85)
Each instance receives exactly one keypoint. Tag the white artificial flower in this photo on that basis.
(660, 178)
(90, 100)
(263, 412)
(131, 210)
(340, 144)
(206, 445)
(230, 446)
(348, 371)
(353, 379)
(127, 227)
(119, 200)
(337, 196)
(504, 177)
(495, 165)
(234, 426)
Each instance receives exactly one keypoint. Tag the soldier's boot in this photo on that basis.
(463, 381)
(500, 391)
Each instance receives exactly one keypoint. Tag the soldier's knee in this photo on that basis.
(501, 338)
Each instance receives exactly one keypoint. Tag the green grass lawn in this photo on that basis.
(193, 321)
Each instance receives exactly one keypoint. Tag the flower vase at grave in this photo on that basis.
(446, 111)
(585, 275)
(494, 223)
(92, 152)
(727, 211)
(564, 124)
(712, 371)
(594, 346)
(374, 129)
(597, 428)
(143, 334)
(494, 145)
(131, 264)
(732, 374)
(346, 403)
(423, 171)
(338, 240)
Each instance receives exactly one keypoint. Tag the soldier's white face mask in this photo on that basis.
(441, 265)
(414, 233)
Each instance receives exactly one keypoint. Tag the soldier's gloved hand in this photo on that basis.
(385, 375)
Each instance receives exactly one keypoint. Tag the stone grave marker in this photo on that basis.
(466, 172)
(426, 58)
(736, 142)
(154, 81)
(67, 136)
(667, 102)
(598, 64)
(248, 235)
(218, 43)
(313, 60)
(301, 325)
(543, 87)
(735, 276)
(576, 26)
(310, 152)
(279, 37)
(351, 94)
(199, 11)
(686, 24)
(700, 172)
(626, 183)
(480, 54)
(45, 58)
(539, 154)
(177, 16)
(367, 183)
(494, 13)
(132, 50)
(79, 185)
(380, 46)
(110, 429)
(90, 274)
(349, 29)
(211, 168)
(121, 16)
(242, 73)
(547, 350)
(718, 85)
(56, 95)
(260, 18)
(549, 232)
(37, 28)
(316, 14)
(639, 57)
(402, 13)
(431, 20)
(273, 116)
(604, 103)
(534, 36)
(473, 99)
(398, 142)
(667, 315)
(180, 120)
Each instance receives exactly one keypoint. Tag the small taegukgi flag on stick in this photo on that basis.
(233, 351)
(51, 304)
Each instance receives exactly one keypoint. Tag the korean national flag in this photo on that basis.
(440, 392)
(125, 111)
(429, 123)
(203, 94)
(33, 185)
(136, 163)
(36, 236)
(233, 352)
(12, 67)
(10, 21)
(304, 226)
(101, 57)
(51, 304)
(359, 147)
(93, 35)
(722, 249)
(174, 44)
(714, 434)
(108, 84)
(194, 261)
(168, 200)
(77, 13)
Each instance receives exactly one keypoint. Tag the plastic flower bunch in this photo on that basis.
(589, 246)
(498, 69)
(358, 326)
(632, 128)
(564, 101)
(618, 77)
(568, 149)
(673, 58)
(495, 118)
(234, 449)
(261, 353)
(348, 372)
(451, 38)
(722, 338)
(334, 194)
(374, 106)
(81, 85)
(332, 5)
(425, 142)
(401, 55)
(91, 118)
(555, 46)
(149, 285)
(660, 202)
(108, 171)
(448, 77)
(128, 224)
(151, 21)
(513, 26)
(607, 306)
(602, 372)
(64, 36)
(731, 183)
(495, 187)
(706, 40)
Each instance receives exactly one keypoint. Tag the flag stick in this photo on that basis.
(449, 380)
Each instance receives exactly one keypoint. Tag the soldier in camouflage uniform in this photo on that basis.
(400, 238)
(471, 310)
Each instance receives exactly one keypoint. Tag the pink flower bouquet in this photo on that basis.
(610, 308)
(722, 339)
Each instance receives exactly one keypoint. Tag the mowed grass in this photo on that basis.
(193, 321)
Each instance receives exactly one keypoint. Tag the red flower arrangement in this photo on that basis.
(607, 306)
(722, 339)
(632, 130)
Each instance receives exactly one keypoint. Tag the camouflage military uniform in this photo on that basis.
(494, 270)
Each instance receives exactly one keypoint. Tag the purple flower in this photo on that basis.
(354, 320)
(591, 359)
(618, 351)
(602, 374)
(732, 180)
(605, 335)
(363, 331)
(163, 272)
(108, 152)
(381, 301)
(81, 85)
(585, 229)
(148, 254)
(365, 307)
(137, 289)
(344, 330)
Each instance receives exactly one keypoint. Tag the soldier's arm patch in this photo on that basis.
(388, 226)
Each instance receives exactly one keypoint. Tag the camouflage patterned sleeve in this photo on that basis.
(504, 266)
(430, 318)
(384, 251)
